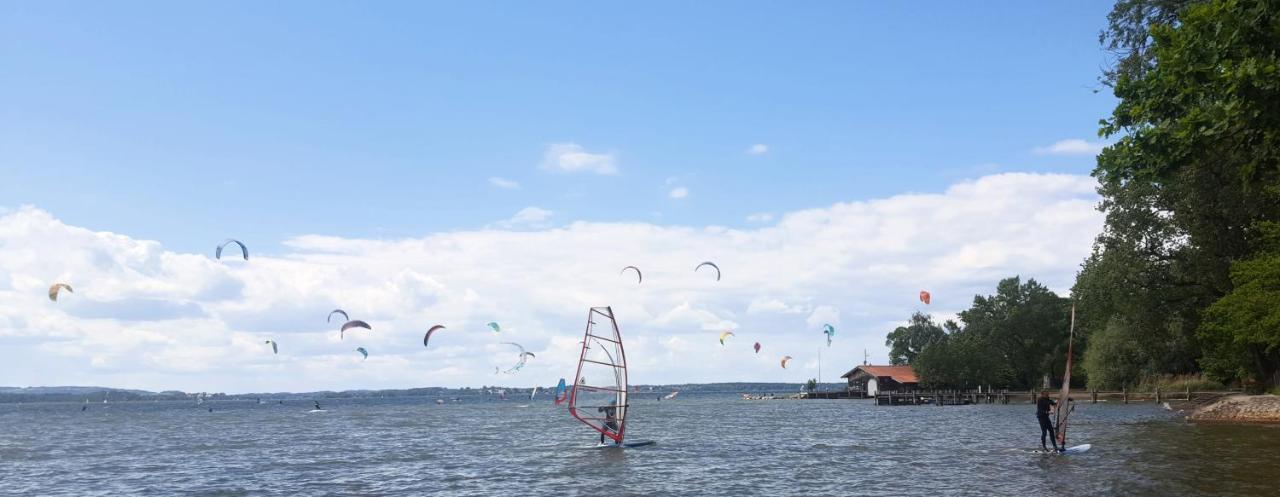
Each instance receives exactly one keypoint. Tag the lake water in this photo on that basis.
(706, 445)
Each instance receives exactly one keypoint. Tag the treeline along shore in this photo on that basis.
(1182, 286)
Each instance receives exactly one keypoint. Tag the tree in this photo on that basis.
(811, 385)
(1242, 330)
(1024, 325)
(1192, 175)
(1115, 358)
(1010, 339)
(1128, 34)
(905, 342)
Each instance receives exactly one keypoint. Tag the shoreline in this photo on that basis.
(1239, 409)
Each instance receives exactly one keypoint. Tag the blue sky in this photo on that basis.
(187, 123)
(420, 163)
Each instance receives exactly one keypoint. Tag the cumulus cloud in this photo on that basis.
(758, 149)
(1072, 146)
(504, 183)
(148, 317)
(678, 192)
(572, 158)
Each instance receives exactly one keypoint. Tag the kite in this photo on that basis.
(354, 323)
(725, 335)
(757, 347)
(56, 287)
(217, 254)
(830, 331)
(524, 357)
(337, 311)
(925, 297)
(429, 332)
(639, 276)
(274, 349)
(784, 361)
(363, 352)
(712, 264)
(494, 326)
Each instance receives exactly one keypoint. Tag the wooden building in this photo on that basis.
(866, 381)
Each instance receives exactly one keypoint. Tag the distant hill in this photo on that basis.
(66, 390)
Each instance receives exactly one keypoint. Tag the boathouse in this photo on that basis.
(866, 381)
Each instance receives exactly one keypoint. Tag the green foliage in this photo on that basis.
(1188, 188)
(1128, 34)
(1242, 330)
(906, 342)
(1025, 325)
(1010, 339)
(962, 360)
(811, 385)
(1115, 358)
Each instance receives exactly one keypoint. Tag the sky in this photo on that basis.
(419, 164)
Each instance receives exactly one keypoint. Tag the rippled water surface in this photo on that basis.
(708, 445)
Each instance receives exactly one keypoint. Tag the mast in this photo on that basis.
(1064, 403)
(815, 387)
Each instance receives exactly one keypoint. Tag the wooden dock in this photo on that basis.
(942, 398)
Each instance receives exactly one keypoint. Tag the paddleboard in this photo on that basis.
(317, 410)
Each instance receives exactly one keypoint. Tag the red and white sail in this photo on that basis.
(598, 397)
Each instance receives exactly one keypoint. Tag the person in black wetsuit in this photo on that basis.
(317, 404)
(1043, 407)
(610, 418)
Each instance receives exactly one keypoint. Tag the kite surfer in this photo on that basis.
(1043, 406)
(610, 418)
(317, 405)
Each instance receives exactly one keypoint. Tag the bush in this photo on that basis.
(1114, 358)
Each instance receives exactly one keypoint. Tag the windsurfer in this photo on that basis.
(610, 418)
(1043, 406)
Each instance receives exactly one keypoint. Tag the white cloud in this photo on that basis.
(528, 217)
(760, 217)
(504, 183)
(147, 317)
(678, 192)
(1072, 146)
(758, 149)
(572, 158)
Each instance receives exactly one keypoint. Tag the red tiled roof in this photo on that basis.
(900, 374)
